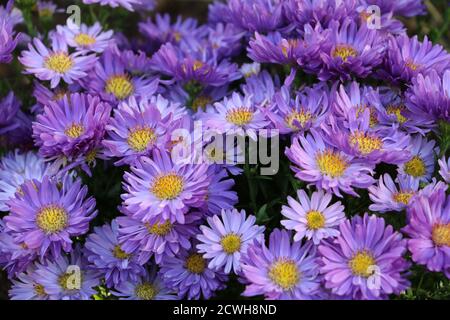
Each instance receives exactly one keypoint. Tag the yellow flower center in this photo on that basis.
(292, 43)
(373, 120)
(403, 197)
(197, 65)
(415, 167)
(315, 220)
(344, 51)
(140, 138)
(119, 253)
(365, 143)
(45, 13)
(441, 234)
(285, 274)
(411, 65)
(177, 36)
(39, 289)
(362, 263)
(52, 219)
(195, 263)
(231, 243)
(146, 291)
(331, 163)
(201, 102)
(65, 281)
(240, 116)
(83, 39)
(301, 117)
(167, 187)
(74, 130)
(59, 62)
(120, 86)
(397, 111)
(160, 229)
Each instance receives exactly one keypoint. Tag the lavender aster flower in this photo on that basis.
(387, 197)
(352, 50)
(429, 96)
(56, 63)
(282, 270)
(256, 15)
(421, 166)
(328, 168)
(8, 40)
(407, 8)
(27, 286)
(158, 187)
(106, 255)
(157, 237)
(85, 39)
(366, 260)
(59, 277)
(15, 126)
(136, 129)
(147, 287)
(44, 217)
(236, 115)
(226, 239)
(189, 275)
(71, 128)
(46, 9)
(199, 65)
(220, 195)
(313, 217)
(429, 231)
(444, 169)
(15, 169)
(407, 57)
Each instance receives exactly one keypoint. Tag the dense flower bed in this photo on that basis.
(118, 179)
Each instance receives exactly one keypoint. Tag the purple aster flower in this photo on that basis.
(407, 57)
(282, 270)
(15, 126)
(318, 12)
(27, 286)
(386, 196)
(46, 9)
(136, 129)
(328, 168)
(429, 231)
(444, 169)
(199, 65)
(421, 166)
(262, 87)
(147, 287)
(308, 109)
(183, 32)
(67, 278)
(256, 15)
(85, 39)
(15, 169)
(368, 143)
(226, 238)
(352, 51)
(56, 63)
(127, 4)
(236, 115)
(313, 217)
(366, 260)
(71, 128)
(220, 195)
(106, 255)
(429, 96)
(273, 48)
(114, 83)
(188, 274)
(225, 40)
(161, 188)
(157, 237)
(397, 113)
(14, 258)
(8, 40)
(44, 216)
(407, 8)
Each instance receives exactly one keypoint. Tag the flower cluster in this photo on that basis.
(119, 180)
